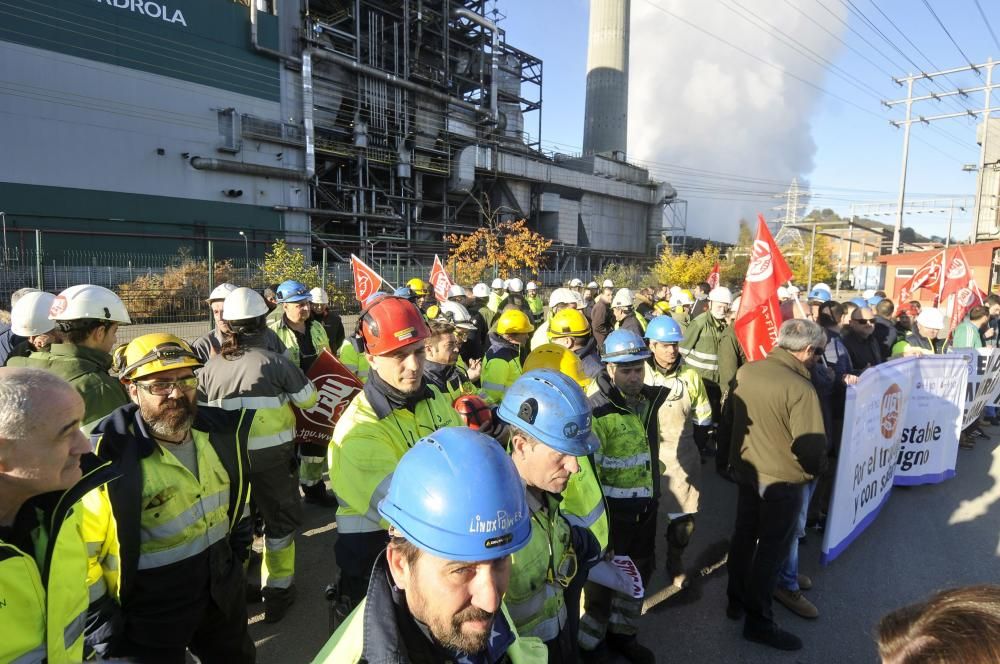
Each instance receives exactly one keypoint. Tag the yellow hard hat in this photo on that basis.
(557, 358)
(662, 307)
(432, 312)
(418, 286)
(153, 353)
(514, 321)
(569, 323)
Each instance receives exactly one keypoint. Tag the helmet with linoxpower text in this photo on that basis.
(568, 323)
(457, 495)
(558, 358)
(418, 286)
(29, 317)
(89, 302)
(514, 321)
(153, 353)
(389, 323)
(243, 304)
(220, 292)
(665, 330)
(550, 407)
(292, 291)
(623, 346)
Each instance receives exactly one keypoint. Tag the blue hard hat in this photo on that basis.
(624, 346)
(371, 298)
(293, 291)
(550, 407)
(860, 301)
(820, 294)
(665, 330)
(405, 292)
(457, 495)
(874, 299)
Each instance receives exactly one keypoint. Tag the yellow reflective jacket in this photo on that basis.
(583, 502)
(43, 572)
(287, 336)
(501, 367)
(354, 360)
(369, 440)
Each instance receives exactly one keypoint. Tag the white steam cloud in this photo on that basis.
(699, 103)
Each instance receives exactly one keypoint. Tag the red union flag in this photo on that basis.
(759, 316)
(366, 280)
(439, 280)
(713, 277)
(928, 276)
(336, 386)
(966, 297)
(957, 275)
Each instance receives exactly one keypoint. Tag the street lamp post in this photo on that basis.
(246, 251)
(3, 218)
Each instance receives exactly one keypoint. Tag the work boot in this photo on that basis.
(796, 603)
(598, 655)
(805, 583)
(277, 601)
(253, 593)
(317, 494)
(630, 648)
(734, 610)
(774, 637)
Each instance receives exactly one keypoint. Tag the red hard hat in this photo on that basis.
(474, 411)
(390, 323)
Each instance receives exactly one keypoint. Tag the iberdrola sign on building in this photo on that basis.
(149, 9)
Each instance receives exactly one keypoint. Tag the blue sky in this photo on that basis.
(718, 108)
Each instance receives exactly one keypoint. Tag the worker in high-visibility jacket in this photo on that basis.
(304, 338)
(625, 420)
(87, 319)
(626, 317)
(442, 365)
(436, 593)
(535, 303)
(507, 351)
(167, 541)
(924, 339)
(686, 405)
(248, 376)
(570, 328)
(45, 468)
(353, 357)
(550, 427)
(396, 408)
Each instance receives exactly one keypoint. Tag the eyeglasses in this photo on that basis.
(819, 351)
(162, 388)
(863, 321)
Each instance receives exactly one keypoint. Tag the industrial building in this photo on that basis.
(372, 127)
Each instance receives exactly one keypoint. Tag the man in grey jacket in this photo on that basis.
(778, 445)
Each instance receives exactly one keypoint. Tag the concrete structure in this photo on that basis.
(986, 220)
(605, 121)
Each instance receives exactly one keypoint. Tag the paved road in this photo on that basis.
(926, 538)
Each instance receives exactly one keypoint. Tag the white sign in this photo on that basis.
(149, 9)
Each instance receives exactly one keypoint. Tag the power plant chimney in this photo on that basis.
(605, 122)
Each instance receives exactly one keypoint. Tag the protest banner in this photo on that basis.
(336, 386)
(901, 426)
(983, 388)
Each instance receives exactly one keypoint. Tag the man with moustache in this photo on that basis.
(168, 540)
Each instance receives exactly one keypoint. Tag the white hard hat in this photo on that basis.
(608, 284)
(243, 303)
(562, 296)
(720, 294)
(783, 293)
(456, 291)
(455, 313)
(21, 292)
(682, 298)
(931, 317)
(317, 296)
(480, 290)
(868, 294)
(623, 298)
(515, 285)
(220, 292)
(578, 299)
(674, 290)
(531, 285)
(822, 286)
(792, 290)
(575, 283)
(592, 285)
(89, 301)
(497, 283)
(30, 315)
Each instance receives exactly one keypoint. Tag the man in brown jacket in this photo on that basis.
(778, 444)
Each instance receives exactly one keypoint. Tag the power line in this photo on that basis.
(986, 21)
(941, 23)
(837, 37)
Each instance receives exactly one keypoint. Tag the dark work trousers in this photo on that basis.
(761, 539)
(356, 554)
(701, 433)
(221, 637)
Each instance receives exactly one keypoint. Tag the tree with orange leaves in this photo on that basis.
(496, 249)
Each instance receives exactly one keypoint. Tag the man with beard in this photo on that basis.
(436, 590)
(859, 338)
(167, 541)
(396, 408)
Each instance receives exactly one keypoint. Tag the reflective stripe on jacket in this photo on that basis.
(354, 360)
(287, 336)
(583, 502)
(700, 346)
(501, 367)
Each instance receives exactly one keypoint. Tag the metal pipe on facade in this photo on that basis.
(228, 166)
(322, 212)
(307, 113)
(263, 49)
(494, 47)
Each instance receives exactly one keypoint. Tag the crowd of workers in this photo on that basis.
(500, 449)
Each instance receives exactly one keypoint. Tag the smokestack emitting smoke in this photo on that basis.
(698, 103)
(605, 119)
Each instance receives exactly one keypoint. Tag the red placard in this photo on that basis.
(440, 281)
(713, 277)
(336, 386)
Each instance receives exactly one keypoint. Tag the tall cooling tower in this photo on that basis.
(605, 124)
